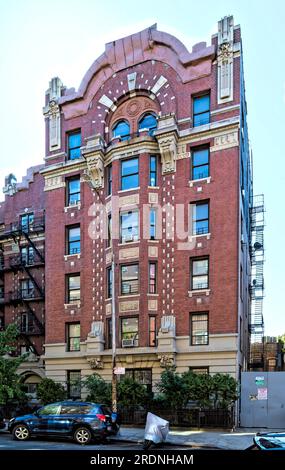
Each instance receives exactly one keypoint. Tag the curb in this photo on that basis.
(193, 445)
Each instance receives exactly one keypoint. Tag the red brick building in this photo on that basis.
(147, 164)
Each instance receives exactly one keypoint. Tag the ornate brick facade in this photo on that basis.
(149, 73)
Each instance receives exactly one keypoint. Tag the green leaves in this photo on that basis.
(209, 391)
(50, 391)
(10, 381)
(99, 391)
(131, 392)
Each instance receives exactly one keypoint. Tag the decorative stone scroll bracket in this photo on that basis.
(166, 135)
(93, 153)
(168, 152)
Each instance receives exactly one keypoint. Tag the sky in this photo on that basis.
(47, 38)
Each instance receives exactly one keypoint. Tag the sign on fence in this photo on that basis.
(119, 370)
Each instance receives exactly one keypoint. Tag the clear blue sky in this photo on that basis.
(40, 39)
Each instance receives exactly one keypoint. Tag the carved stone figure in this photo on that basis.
(95, 363)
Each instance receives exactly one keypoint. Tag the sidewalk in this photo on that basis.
(239, 439)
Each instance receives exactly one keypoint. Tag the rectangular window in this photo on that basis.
(109, 333)
(142, 376)
(152, 287)
(24, 349)
(109, 282)
(200, 163)
(129, 279)
(74, 144)
(73, 336)
(109, 180)
(27, 289)
(200, 218)
(130, 332)
(73, 240)
(74, 384)
(152, 331)
(73, 191)
(73, 288)
(200, 370)
(27, 323)
(109, 230)
(129, 223)
(152, 223)
(27, 221)
(200, 273)
(27, 255)
(199, 329)
(130, 173)
(201, 110)
(153, 170)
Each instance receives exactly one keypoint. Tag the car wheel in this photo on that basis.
(82, 436)
(21, 432)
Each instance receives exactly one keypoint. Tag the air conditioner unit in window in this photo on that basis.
(73, 202)
(128, 343)
(129, 238)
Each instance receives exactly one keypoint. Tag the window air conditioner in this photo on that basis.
(73, 202)
(129, 238)
(128, 343)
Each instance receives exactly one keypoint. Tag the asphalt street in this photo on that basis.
(7, 443)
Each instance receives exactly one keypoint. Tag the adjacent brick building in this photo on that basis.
(154, 132)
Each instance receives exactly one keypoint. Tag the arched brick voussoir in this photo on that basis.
(146, 45)
(148, 74)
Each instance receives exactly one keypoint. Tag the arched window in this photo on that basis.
(148, 122)
(122, 130)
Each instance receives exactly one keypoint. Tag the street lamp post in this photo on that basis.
(114, 376)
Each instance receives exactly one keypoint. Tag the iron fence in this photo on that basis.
(196, 418)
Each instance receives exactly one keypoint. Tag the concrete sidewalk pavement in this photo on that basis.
(238, 439)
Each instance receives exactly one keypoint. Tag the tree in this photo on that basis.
(281, 338)
(208, 391)
(98, 389)
(131, 393)
(10, 381)
(50, 391)
(224, 390)
(199, 388)
(173, 389)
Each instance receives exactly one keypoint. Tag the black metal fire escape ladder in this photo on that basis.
(257, 265)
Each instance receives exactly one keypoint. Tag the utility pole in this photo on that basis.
(114, 376)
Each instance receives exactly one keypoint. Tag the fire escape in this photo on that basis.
(256, 324)
(28, 260)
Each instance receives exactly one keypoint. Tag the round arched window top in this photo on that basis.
(148, 122)
(121, 130)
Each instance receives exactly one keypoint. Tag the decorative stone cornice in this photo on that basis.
(130, 148)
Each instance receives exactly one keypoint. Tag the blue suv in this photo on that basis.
(80, 421)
